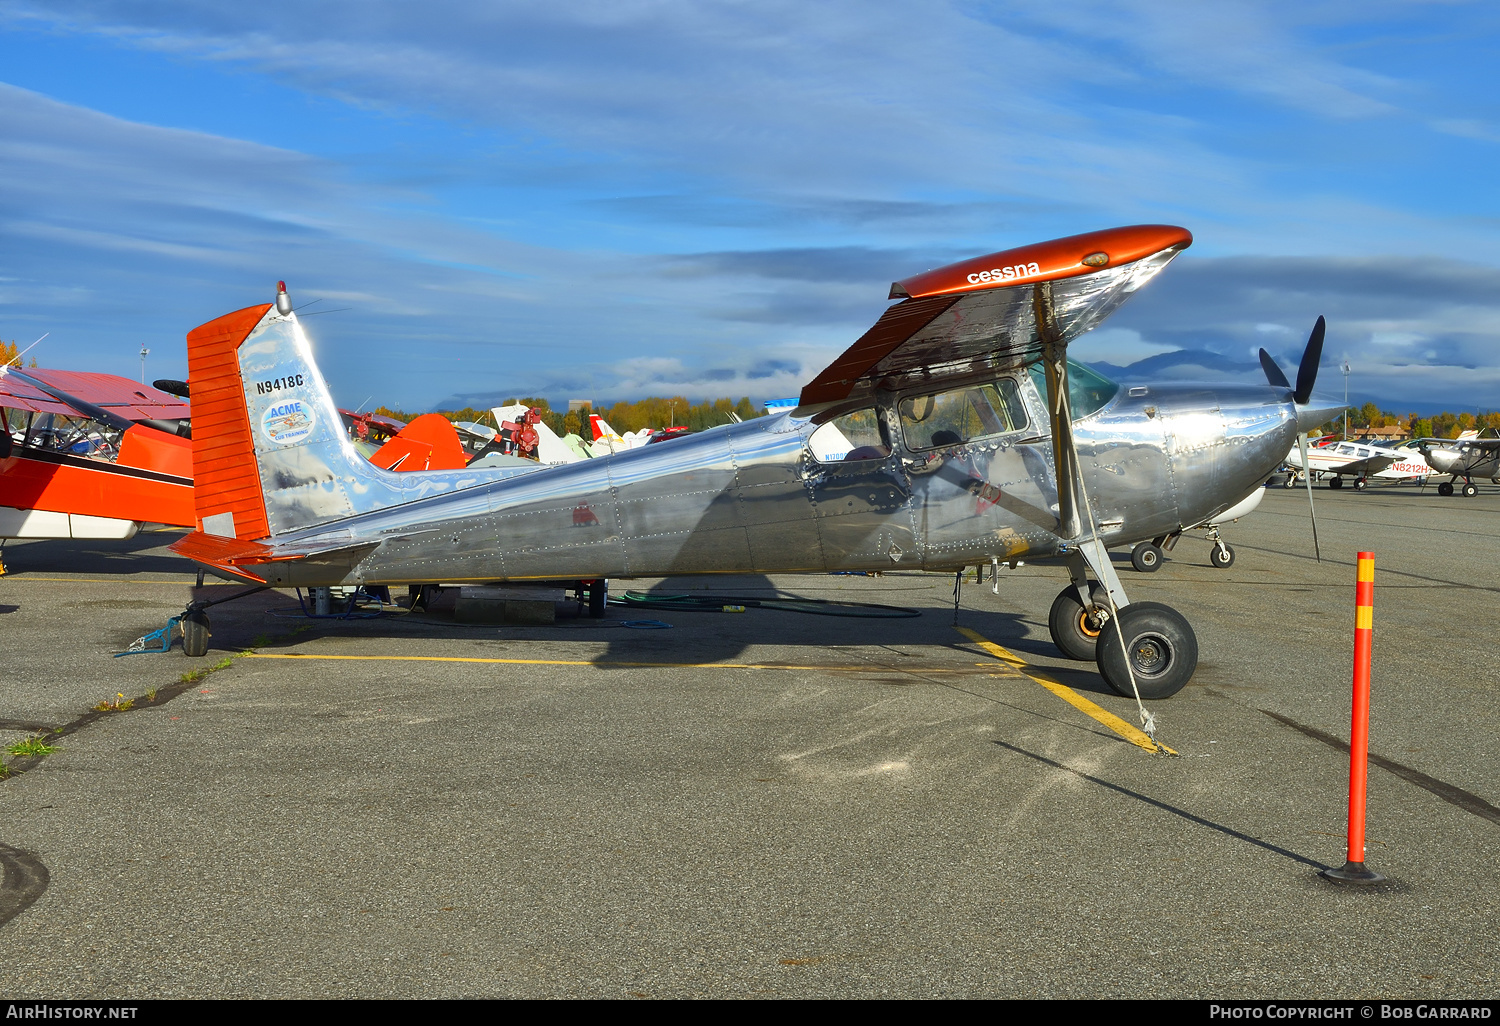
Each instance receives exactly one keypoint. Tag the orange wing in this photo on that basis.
(981, 314)
(428, 443)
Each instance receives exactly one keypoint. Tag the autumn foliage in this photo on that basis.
(623, 416)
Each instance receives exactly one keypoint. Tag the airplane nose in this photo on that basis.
(1317, 410)
(1442, 460)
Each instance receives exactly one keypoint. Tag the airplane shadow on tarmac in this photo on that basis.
(97, 556)
(272, 620)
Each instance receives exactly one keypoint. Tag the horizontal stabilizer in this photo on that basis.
(232, 555)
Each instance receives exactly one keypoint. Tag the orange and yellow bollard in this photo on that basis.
(1353, 870)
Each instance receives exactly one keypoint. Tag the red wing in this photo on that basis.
(120, 396)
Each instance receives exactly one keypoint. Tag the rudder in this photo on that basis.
(270, 454)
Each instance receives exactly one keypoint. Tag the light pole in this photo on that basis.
(1346, 368)
(144, 353)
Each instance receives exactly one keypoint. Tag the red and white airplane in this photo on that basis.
(91, 455)
(1337, 459)
(88, 455)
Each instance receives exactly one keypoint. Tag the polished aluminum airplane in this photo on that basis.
(1465, 458)
(953, 433)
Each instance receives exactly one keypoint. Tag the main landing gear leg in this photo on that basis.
(1148, 648)
(1080, 611)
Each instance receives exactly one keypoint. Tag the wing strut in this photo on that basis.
(1064, 452)
(1072, 493)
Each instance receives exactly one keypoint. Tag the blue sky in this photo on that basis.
(610, 200)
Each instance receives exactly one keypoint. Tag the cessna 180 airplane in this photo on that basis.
(964, 437)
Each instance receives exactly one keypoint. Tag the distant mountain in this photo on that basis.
(1216, 364)
(1206, 365)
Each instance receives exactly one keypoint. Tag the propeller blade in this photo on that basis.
(1307, 373)
(1273, 372)
(1307, 467)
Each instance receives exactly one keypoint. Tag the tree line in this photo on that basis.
(1443, 425)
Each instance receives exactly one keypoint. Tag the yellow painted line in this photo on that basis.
(24, 577)
(606, 665)
(1132, 734)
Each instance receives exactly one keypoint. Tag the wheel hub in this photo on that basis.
(1151, 655)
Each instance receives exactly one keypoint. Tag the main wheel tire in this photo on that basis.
(1146, 557)
(1471, 490)
(1221, 558)
(1163, 651)
(1075, 630)
(598, 598)
(194, 634)
(1359, 484)
(1335, 482)
(1290, 482)
(1446, 488)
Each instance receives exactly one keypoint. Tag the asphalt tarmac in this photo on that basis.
(763, 803)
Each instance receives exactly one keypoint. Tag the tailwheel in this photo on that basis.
(195, 634)
(1075, 630)
(1162, 649)
(1446, 488)
(1221, 555)
(1146, 557)
(1471, 490)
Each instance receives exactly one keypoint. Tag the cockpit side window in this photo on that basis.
(860, 435)
(1088, 390)
(962, 415)
(78, 436)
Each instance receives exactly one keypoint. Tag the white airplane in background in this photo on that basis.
(607, 440)
(1359, 460)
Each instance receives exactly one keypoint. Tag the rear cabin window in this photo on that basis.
(962, 415)
(853, 437)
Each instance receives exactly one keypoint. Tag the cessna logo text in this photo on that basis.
(277, 384)
(1004, 273)
(289, 422)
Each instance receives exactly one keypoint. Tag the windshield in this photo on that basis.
(1088, 390)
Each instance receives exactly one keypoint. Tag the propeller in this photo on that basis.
(1307, 375)
(1273, 372)
(1307, 371)
(1307, 471)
